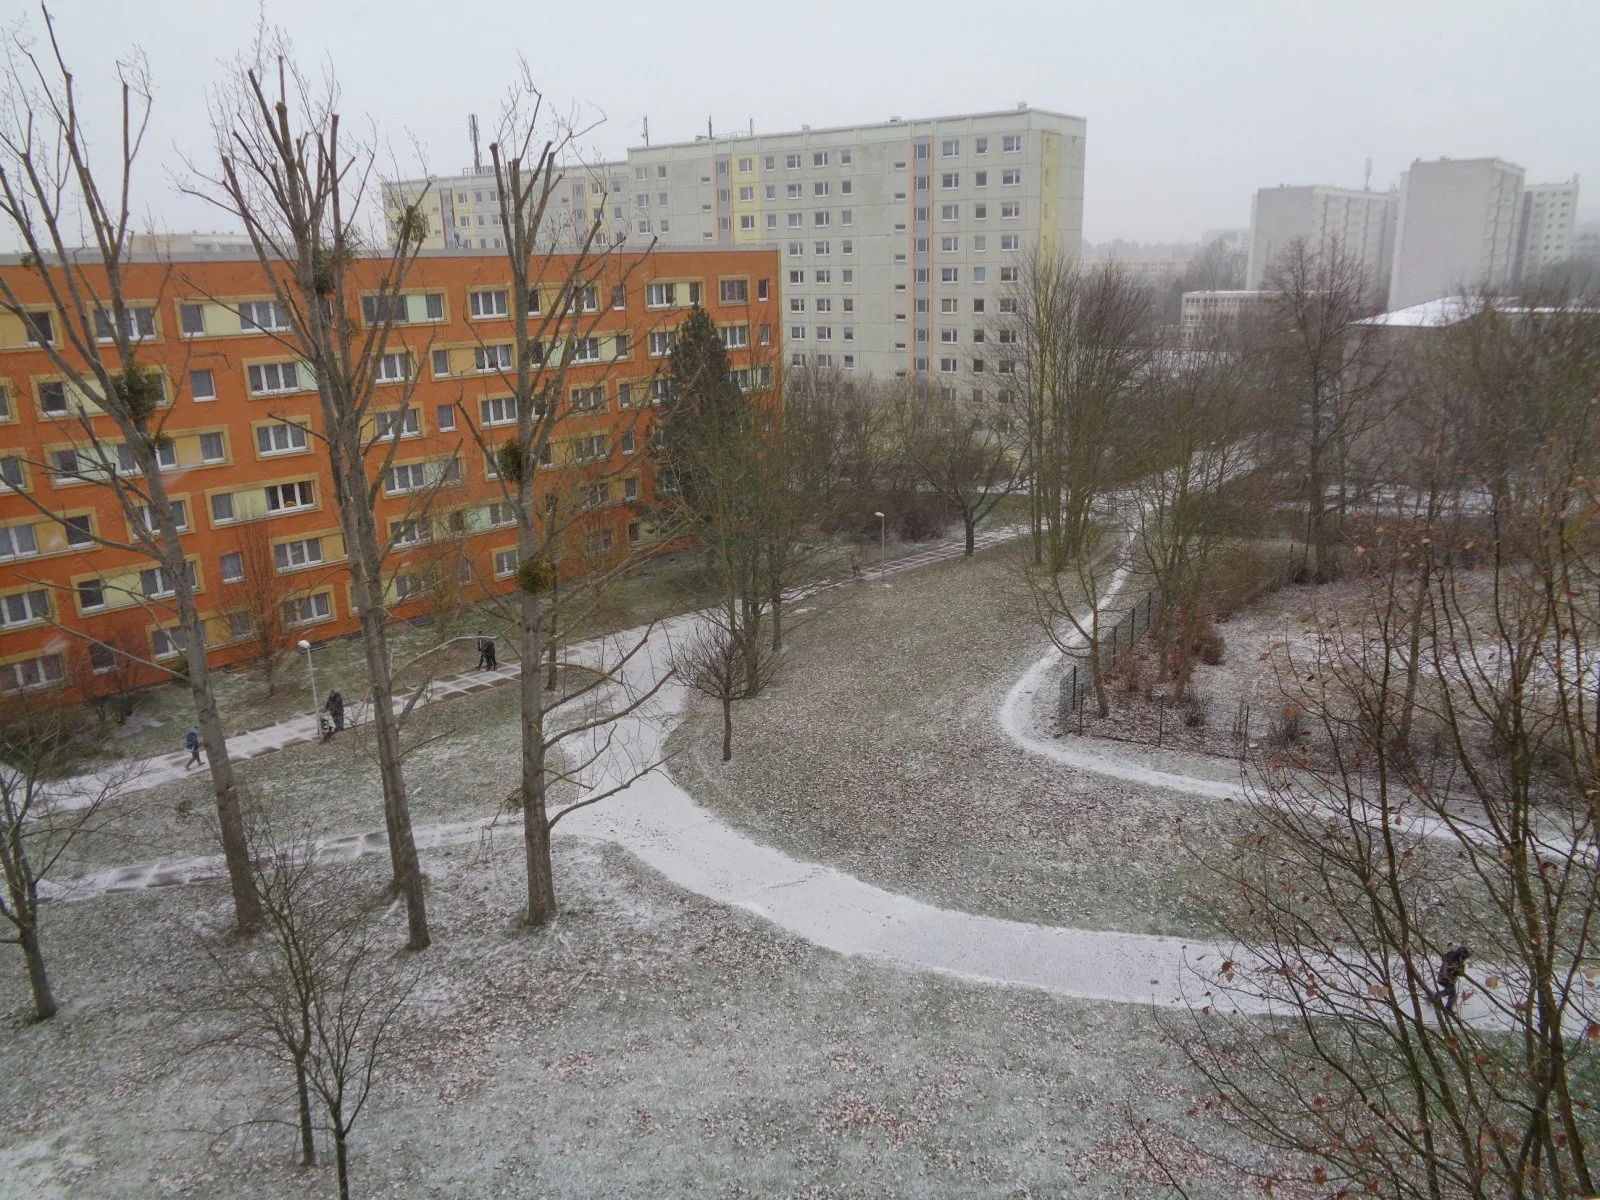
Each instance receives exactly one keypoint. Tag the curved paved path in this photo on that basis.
(661, 824)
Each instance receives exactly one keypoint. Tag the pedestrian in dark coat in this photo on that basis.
(191, 743)
(485, 652)
(489, 654)
(336, 711)
(1452, 967)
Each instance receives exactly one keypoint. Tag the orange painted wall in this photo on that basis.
(28, 433)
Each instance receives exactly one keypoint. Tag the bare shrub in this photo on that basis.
(1287, 727)
(1208, 643)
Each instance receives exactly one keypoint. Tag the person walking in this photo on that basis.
(485, 652)
(1452, 967)
(489, 654)
(191, 743)
(336, 711)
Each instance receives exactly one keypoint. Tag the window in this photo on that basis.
(498, 410)
(980, 179)
(797, 333)
(791, 162)
(433, 306)
(41, 328)
(30, 673)
(949, 274)
(586, 349)
(232, 567)
(922, 149)
(11, 471)
(505, 563)
(747, 221)
(408, 477)
(922, 182)
(764, 335)
(847, 216)
(797, 220)
(822, 247)
(1010, 210)
(949, 212)
(1010, 241)
(849, 301)
(137, 323)
(847, 247)
(949, 148)
(797, 249)
(949, 245)
(736, 337)
(746, 165)
(221, 508)
(192, 319)
(948, 304)
(947, 366)
(156, 582)
(1008, 305)
(980, 243)
(980, 145)
(446, 417)
(23, 608)
(269, 378)
(586, 448)
(977, 305)
(91, 594)
(824, 333)
(922, 275)
(212, 448)
(393, 368)
(409, 532)
(263, 314)
(627, 442)
(819, 158)
(824, 304)
(303, 610)
(398, 424)
(282, 497)
(846, 188)
(491, 358)
(282, 438)
(950, 180)
(53, 399)
(376, 310)
(589, 399)
(733, 291)
(1007, 367)
(202, 385)
(303, 553)
(1011, 177)
(820, 188)
(662, 341)
(660, 390)
(661, 295)
(17, 541)
(762, 291)
(596, 495)
(980, 212)
(502, 513)
(487, 304)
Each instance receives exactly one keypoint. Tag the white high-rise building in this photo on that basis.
(898, 240)
(463, 211)
(1545, 225)
(1361, 222)
(1457, 229)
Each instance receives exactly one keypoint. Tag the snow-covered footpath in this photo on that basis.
(661, 824)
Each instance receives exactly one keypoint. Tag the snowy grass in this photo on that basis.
(878, 752)
(649, 1043)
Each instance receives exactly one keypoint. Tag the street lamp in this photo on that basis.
(883, 542)
(305, 646)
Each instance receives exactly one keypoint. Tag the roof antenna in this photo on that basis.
(472, 129)
(647, 129)
(1366, 183)
(708, 127)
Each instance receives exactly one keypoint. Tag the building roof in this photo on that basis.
(1450, 310)
(893, 122)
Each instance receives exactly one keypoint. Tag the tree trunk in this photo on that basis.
(308, 1140)
(727, 728)
(367, 580)
(44, 1001)
(339, 1136)
(1408, 701)
(1097, 677)
(969, 519)
(535, 819)
(777, 620)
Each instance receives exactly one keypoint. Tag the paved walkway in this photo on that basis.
(661, 824)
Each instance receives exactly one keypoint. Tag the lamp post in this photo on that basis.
(883, 542)
(305, 647)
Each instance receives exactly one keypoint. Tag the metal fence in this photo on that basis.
(1077, 684)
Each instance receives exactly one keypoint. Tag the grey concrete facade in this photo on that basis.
(1361, 222)
(1458, 228)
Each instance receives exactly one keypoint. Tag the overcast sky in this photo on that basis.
(1190, 106)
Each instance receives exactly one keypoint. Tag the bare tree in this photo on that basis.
(313, 994)
(289, 174)
(37, 825)
(716, 661)
(1370, 860)
(1218, 267)
(1084, 339)
(559, 472)
(257, 596)
(1329, 368)
(969, 452)
(80, 310)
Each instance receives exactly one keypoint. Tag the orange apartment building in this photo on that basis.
(253, 480)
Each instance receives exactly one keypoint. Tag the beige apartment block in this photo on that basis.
(1545, 225)
(1457, 228)
(1361, 222)
(899, 240)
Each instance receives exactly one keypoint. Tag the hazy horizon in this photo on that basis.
(1188, 111)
